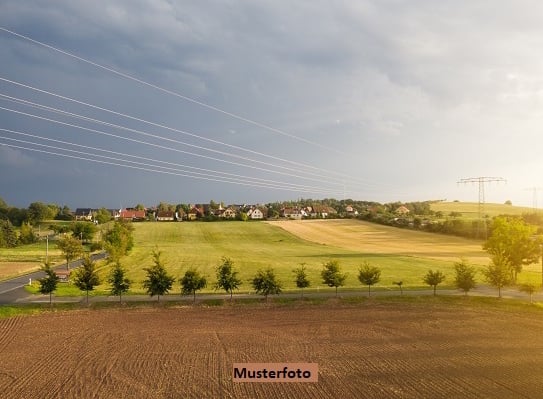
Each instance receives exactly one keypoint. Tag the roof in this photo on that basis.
(125, 214)
(83, 211)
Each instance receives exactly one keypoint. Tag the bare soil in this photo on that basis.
(368, 350)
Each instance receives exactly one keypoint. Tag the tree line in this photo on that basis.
(159, 282)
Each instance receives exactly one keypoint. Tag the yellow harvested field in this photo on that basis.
(10, 269)
(373, 238)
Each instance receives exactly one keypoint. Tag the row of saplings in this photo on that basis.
(158, 282)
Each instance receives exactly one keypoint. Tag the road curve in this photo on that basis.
(12, 290)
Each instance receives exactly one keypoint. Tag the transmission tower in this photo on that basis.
(534, 190)
(481, 181)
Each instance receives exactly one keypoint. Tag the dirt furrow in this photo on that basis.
(8, 329)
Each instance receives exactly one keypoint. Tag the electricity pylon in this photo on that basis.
(481, 206)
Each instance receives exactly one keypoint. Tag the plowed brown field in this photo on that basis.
(369, 350)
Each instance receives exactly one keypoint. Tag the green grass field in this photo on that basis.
(259, 245)
(401, 254)
(26, 258)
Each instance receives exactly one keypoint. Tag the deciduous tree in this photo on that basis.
(70, 247)
(38, 211)
(191, 282)
(48, 284)
(102, 216)
(302, 281)
(165, 207)
(529, 289)
(83, 231)
(227, 277)
(464, 276)
(64, 213)
(513, 239)
(369, 275)
(86, 277)
(332, 276)
(434, 278)
(118, 241)
(120, 284)
(265, 283)
(158, 281)
(26, 235)
(498, 273)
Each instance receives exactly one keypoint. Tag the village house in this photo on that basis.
(165, 216)
(311, 212)
(228, 213)
(350, 210)
(132, 215)
(195, 212)
(324, 211)
(255, 213)
(84, 214)
(115, 213)
(402, 210)
(291, 213)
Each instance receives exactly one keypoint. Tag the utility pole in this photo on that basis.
(481, 181)
(541, 248)
(534, 190)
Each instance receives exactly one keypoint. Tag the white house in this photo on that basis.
(292, 213)
(255, 213)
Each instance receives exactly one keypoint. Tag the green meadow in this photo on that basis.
(253, 246)
(402, 255)
(256, 245)
(26, 258)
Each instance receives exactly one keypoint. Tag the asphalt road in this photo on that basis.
(12, 290)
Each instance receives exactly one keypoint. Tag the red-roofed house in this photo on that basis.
(132, 215)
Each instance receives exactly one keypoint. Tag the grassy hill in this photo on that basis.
(401, 254)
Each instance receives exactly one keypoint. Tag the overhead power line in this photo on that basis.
(141, 166)
(140, 132)
(324, 177)
(157, 145)
(184, 132)
(169, 165)
(129, 166)
(172, 93)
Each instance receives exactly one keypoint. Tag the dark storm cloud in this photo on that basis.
(392, 87)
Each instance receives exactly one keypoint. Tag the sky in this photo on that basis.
(114, 103)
